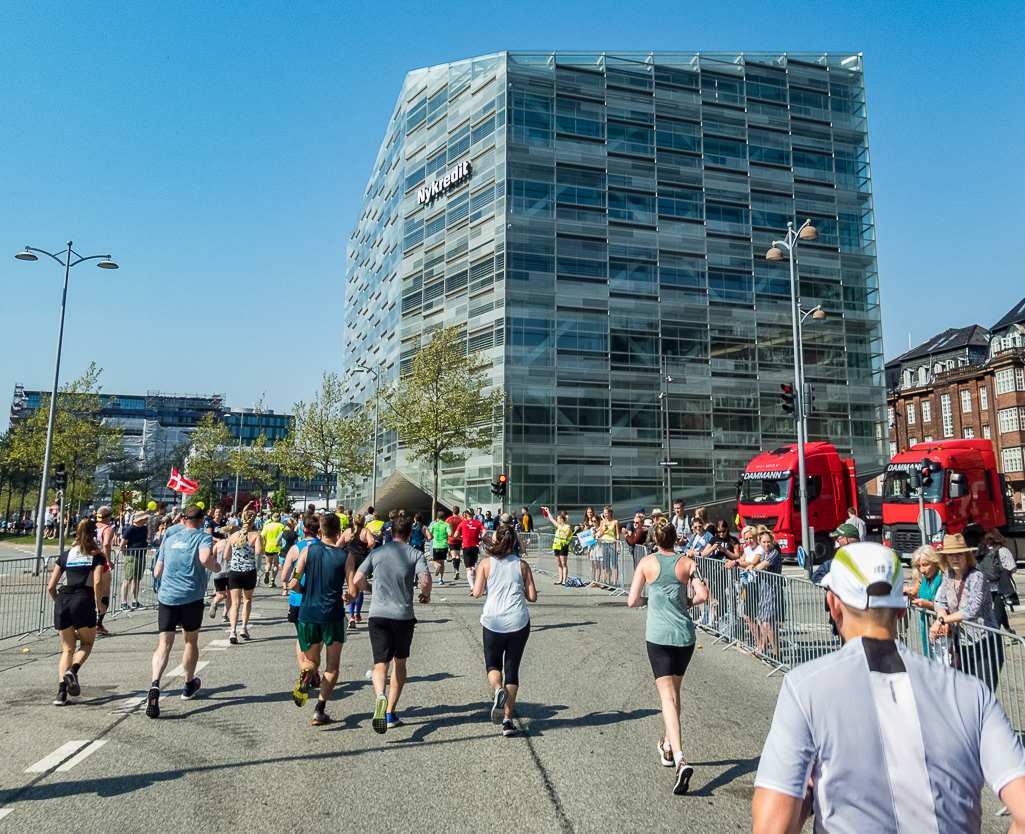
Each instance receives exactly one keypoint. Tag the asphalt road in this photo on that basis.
(242, 758)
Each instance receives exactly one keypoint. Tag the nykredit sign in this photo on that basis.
(459, 174)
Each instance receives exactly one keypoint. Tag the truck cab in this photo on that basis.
(768, 494)
(964, 490)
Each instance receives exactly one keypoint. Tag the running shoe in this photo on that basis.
(245, 633)
(71, 679)
(233, 638)
(102, 630)
(498, 705)
(665, 755)
(135, 604)
(213, 609)
(225, 618)
(300, 693)
(683, 773)
(153, 703)
(266, 577)
(380, 722)
(441, 581)
(393, 720)
(455, 578)
(315, 680)
(359, 618)
(320, 718)
(508, 728)
(190, 689)
(61, 700)
(352, 622)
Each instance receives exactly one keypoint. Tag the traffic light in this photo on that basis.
(928, 468)
(807, 403)
(787, 397)
(60, 477)
(498, 487)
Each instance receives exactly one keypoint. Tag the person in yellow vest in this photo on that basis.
(560, 545)
(343, 518)
(271, 533)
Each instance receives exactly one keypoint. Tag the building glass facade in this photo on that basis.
(617, 212)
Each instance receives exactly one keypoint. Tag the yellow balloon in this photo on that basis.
(152, 505)
(201, 505)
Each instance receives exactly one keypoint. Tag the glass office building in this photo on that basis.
(613, 216)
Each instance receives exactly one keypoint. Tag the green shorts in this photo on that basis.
(135, 566)
(310, 634)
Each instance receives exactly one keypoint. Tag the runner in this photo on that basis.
(105, 539)
(271, 532)
(221, 591)
(391, 620)
(469, 533)
(455, 545)
(560, 545)
(181, 567)
(311, 524)
(75, 603)
(877, 738)
(669, 634)
(320, 575)
(440, 531)
(509, 584)
(359, 541)
(246, 548)
(418, 535)
(288, 538)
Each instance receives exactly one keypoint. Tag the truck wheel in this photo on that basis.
(823, 548)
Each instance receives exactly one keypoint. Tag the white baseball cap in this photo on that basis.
(866, 575)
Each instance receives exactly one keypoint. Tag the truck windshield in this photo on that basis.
(896, 489)
(764, 491)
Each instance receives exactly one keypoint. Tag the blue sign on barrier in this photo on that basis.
(800, 556)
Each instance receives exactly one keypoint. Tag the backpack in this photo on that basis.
(988, 564)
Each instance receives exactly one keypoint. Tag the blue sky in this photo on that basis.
(219, 152)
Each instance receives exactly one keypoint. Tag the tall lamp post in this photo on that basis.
(790, 243)
(377, 414)
(104, 263)
(241, 422)
(668, 462)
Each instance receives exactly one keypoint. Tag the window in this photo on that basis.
(927, 439)
(889, 415)
(1005, 381)
(966, 401)
(1011, 459)
(1019, 376)
(907, 378)
(1007, 420)
(911, 414)
(986, 432)
(983, 398)
(893, 449)
(969, 433)
(948, 416)
(923, 375)
(926, 411)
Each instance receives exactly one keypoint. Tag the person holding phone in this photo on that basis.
(560, 546)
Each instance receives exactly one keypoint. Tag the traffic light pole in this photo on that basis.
(809, 546)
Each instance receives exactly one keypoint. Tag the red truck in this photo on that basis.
(964, 489)
(767, 493)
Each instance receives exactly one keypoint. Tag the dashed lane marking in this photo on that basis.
(56, 757)
(4, 812)
(217, 646)
(178, 671)
(74, 760)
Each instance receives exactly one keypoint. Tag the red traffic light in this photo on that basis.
(502, 479)
(785, 388)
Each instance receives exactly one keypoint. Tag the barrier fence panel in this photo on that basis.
(131, 580)
(24, 603)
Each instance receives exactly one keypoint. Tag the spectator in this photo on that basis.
(527, 520)
(769, 610)
(133, 545)
(999, 563)
(701, 514)
(843, 535)
(590, 524)
(489, 521)
(560, 544)
(747, 588)
(698, 541)
(926, 577)
(608, 536)
(722, 545)
(680, 519)
(964, 597)
(857, 523)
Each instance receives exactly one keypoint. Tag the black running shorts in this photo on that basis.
(293, 614)
(75, 610)
(440, 554)
(390, 638)
(221, 581)
(669, 661)
(242, 580)
(189, 616)
(470, 555)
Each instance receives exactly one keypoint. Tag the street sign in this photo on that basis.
(930, 523)
(800, 555)
(669, 463)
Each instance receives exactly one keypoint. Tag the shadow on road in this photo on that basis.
(550, 626)
(738, 768)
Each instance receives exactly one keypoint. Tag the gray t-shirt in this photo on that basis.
(394, 565)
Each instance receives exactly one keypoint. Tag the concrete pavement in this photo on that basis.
(242, 758)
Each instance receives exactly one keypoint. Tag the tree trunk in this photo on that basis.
(10, 495)
(434, 494)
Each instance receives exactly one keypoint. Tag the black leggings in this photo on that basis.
(505, 646)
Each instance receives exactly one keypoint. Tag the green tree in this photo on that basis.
(328, 437)
(439, 409)
(211, 455)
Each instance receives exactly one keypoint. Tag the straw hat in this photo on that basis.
(956, 544)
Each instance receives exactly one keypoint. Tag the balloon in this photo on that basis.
(201, 505)
(152, 505)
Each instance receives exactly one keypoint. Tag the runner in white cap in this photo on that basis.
(876, 738)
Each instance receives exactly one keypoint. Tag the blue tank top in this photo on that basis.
(294, 597)
(324, 584)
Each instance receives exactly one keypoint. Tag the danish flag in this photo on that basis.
(179, 484)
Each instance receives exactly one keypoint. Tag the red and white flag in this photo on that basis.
(180, 484)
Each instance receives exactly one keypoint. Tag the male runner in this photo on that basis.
(454, 543)
(391, 622)
(105, 539)
(271, 531)
(321, 574)
(181, 567)
(469, 532)
(440, 532)
(311, 524)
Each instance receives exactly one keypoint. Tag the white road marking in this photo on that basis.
(178, 671)
(56, 757)
(5, 812)
(74, 760)
(133, 703)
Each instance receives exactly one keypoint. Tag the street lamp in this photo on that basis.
(664, 397)
(377, 412)
(790, 243)
(241, 422)
(67, 263)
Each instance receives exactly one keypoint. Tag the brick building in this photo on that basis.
(967, 383)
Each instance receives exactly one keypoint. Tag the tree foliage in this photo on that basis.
(211, 454)
(441, 409)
